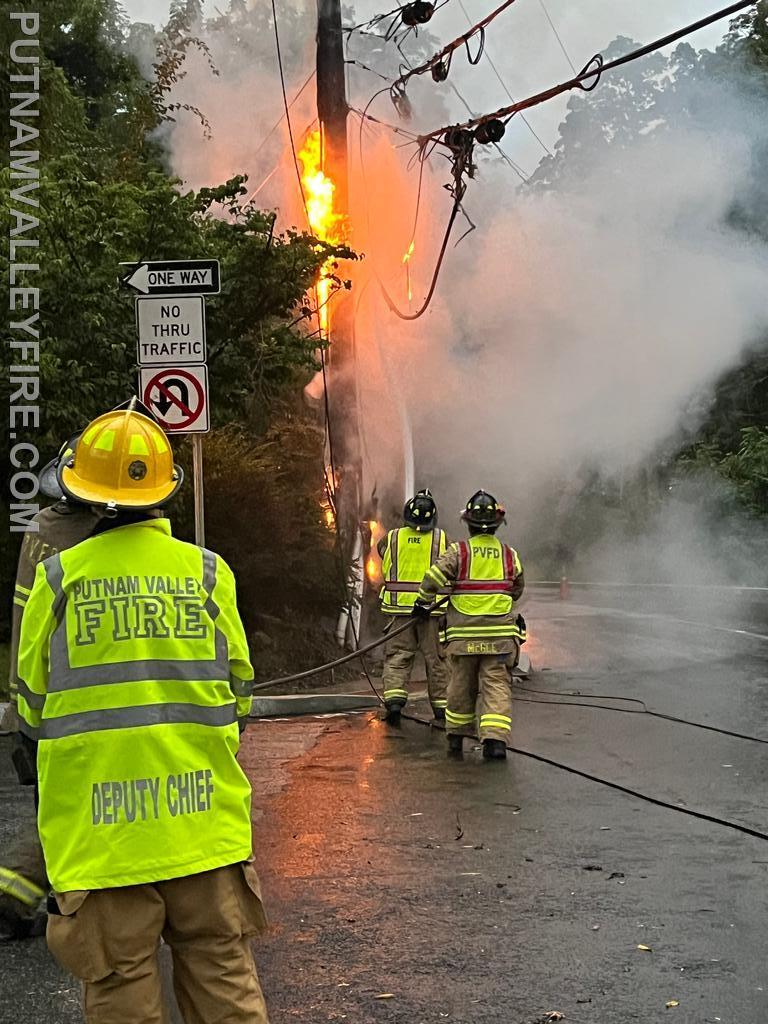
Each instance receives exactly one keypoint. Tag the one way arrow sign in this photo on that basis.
(174, 277)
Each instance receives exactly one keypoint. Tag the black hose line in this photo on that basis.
(387, 635)
(645, 797)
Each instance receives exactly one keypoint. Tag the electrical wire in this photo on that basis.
(643, 710)
(503, 85)
(628, 791)
(591, 73)
(557, 37)
(286, 105)
(444, 56)
(505, 156)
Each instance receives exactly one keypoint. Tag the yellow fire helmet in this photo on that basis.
(123, 460)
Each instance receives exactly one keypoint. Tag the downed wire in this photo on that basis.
(636, 793)
(592, 72)
(643, 710)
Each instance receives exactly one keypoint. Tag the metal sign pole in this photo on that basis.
(197, 474)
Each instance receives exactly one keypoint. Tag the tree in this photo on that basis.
(106, 197)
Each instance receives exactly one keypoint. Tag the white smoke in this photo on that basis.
(574, 329)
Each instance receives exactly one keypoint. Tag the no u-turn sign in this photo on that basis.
(178, 397)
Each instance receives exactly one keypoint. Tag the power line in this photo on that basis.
(592, 71)
(557, 36)
(503, 85)
(288, 112)
(505, 156)
(636, 793)
(440, 62)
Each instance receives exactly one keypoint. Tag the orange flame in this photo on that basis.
(407, 264)
(324, 221)
(372, 568)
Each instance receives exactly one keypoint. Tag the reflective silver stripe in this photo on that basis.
(209, 582)
(54, 573)
(241, 687)
(66, 677)
(34, 700)
(393, 566)
(401, 588)
(435, 552)
(137, 717)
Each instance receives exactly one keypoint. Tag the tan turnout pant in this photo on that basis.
(480, 689)
(399, 655)
(109, 939)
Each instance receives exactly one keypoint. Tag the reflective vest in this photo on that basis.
(407, 557)
(133, 671)
(482, 591)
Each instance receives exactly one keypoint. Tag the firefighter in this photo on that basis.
(23, 881)
(483, 631)
(134, 675)
(406, 554)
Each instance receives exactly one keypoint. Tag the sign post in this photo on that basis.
(173, 373)
(197, 477)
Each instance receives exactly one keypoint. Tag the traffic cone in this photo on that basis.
(565, 588)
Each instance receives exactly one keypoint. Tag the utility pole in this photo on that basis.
(344, 428)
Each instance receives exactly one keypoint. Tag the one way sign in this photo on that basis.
(174, 277)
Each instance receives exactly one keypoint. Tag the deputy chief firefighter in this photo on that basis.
(406, 554)
(483, 632)
(133, 674)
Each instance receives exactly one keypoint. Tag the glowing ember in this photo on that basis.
(323, 220)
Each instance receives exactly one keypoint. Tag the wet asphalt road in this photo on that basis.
(499, 893)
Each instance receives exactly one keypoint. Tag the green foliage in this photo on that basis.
(106, 198)
(746, 469)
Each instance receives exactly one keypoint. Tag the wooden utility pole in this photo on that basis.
(332, 106)
(344, 426)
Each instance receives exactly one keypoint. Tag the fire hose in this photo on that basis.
(359, 652)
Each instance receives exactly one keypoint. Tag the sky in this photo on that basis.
(524, 47)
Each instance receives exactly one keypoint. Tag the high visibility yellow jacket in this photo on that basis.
(407, 554)
(60, 526)
(133, 671)
(485, 580)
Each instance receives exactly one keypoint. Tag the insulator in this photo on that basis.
(439, 71)
(458, 139)
(417, 13)
(490, 131)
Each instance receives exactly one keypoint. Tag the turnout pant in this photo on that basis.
(399, 655)
(480, 689)
(109, 939)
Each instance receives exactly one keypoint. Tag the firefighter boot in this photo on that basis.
(494, 750)
(455, 745)
(392, 712)
(438, 714)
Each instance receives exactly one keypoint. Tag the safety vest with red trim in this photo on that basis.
(487, 571)
(407, 557)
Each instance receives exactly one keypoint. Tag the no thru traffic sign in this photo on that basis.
(178, 397)
(171, 330)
